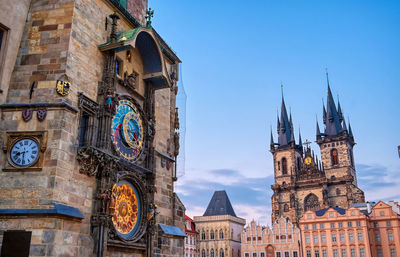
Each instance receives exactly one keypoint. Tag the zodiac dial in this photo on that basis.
(125, 209)
(127, 131)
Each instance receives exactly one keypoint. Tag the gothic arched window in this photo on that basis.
(203, 235)
(221, 234)
(284, 166)
(311, 203)
(335, 157)
(221, 253)
(298, 163)
(337, 191)
(212, 253)
(203, 253)
(212, 234)
(286, 208)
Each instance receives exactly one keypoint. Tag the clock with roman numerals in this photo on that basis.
(24, 152)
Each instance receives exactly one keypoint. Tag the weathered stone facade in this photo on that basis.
(302, 182)
(72, 41)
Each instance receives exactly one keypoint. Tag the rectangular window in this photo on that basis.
(246, 255)
(119, 66)
(295, 254)
(262, 254)
(390, 236)
(358, 223)
(324, 253)
(382, 213)
(379, 252)
(353, 252)
(314, 226)
(332, 225)
(335, 253)
(2, 33)
(362, 252)
(16, 243)
(349, 224)
(315, 238)
(308, 253)
(344, 254)
(340, 225)
(286, 254)
(323, 238)
(254, 254)
(392, 252)
(377, 237)
(341, 237)
(83, 131)
(278, 254)
(307, 239)
(333, 237)
(321, 226)
(351, 237)
(375, 224)
(360, 236)
(305, 227)
(316, 253)
(388, 224)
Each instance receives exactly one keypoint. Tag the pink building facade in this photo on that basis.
(282, 240)
(191, 238)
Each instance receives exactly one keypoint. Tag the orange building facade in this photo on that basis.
(337, 232)
(282, 240)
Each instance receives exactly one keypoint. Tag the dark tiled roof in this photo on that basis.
(219, 205)
(337, 209)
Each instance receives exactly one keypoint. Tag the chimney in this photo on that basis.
(369, 209)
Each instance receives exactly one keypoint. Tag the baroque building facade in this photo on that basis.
(89, 130)
(219, 228)
(302, 182)
(191, 238)
(281, 240)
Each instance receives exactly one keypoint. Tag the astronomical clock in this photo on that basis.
(127, 131)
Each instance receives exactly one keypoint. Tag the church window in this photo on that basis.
(118, 66)
(279, 165)
(203, 253)
(212, 234)
(212, 253)
(284, 166)
(337, 191)
(286, 208)
(334, 157)
(221, 234)
(311, 203)
(221, 253)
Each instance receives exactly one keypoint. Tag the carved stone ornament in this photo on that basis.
(27, 114)
(87, 104)
(41, 114)
(130, 81)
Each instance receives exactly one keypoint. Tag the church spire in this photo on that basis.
(318, 131)
(340, 113)
(344, 125)
(333, 124)
(350, 131)
(272, 139)
(300, 141)
(285, 130)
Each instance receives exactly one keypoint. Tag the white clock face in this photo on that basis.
(24, 152)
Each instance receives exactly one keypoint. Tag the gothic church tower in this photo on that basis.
(302, 182)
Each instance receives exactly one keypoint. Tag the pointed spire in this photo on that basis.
(350, 131)
(278, 122)
(324, 111)
(332, 120)
(272, 139)
(318, 130)
(300, 141)
(285, 133)
(340, 113)
(344, 125)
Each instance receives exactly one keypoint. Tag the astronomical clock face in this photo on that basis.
(127, 131)
(307, 160)
(24, 152)
(125, 209)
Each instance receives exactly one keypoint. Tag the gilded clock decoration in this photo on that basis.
(125, 209)
(127, 131)
(307, 160)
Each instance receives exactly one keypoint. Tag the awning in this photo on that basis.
(172, 230)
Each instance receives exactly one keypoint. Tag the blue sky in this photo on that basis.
(235, 55)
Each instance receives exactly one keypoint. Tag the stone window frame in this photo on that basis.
(3, 49)
(88, 108)
(284, 166)
(334, 159)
